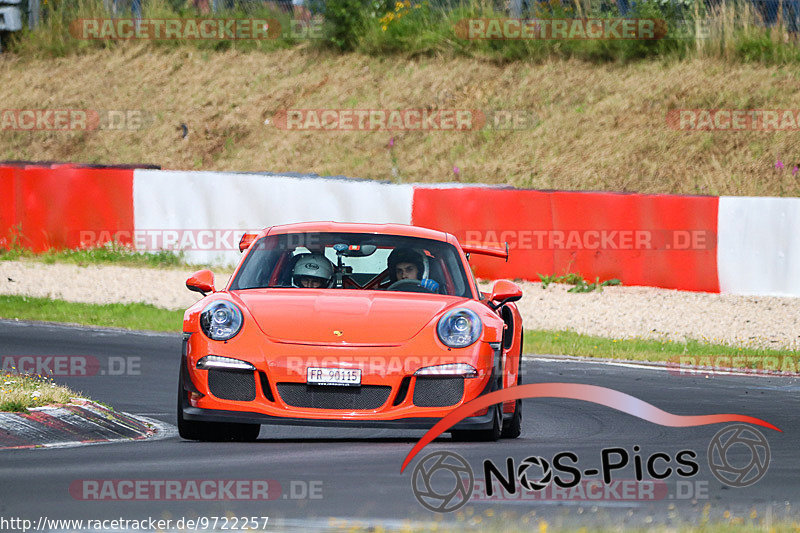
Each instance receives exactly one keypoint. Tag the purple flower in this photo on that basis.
(779, 165)
(794, 170)
(391, 142)
(456, 170)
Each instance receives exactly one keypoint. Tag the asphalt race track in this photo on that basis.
(354, 474)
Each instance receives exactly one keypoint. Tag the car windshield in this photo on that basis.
(364, 261)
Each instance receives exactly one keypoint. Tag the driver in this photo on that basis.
(405, 263)
(312, 271)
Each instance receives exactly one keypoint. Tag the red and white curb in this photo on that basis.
(79, 423)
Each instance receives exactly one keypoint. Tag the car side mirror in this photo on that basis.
(201, 281)
(504, 291)
(246, 240)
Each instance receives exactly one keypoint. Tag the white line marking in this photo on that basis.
(654, 365)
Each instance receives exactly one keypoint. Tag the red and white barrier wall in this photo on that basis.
(713, 244)
(220, 202)
(595, 234)
(758, 250)
(46, 206)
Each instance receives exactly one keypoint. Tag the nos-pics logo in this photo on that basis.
(443, 481)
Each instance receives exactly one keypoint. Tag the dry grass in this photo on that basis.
(19, 392)
(601, 126)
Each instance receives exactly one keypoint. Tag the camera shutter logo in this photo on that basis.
(455, 480)
(528, 483)
(752, 450)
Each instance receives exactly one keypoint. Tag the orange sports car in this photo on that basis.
(358, 325)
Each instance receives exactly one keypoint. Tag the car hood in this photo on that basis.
(342, 317)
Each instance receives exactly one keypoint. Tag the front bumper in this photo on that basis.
(215, 415)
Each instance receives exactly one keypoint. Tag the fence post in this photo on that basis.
(33, 13)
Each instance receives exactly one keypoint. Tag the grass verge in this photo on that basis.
(117, 255)
(13, 247)
(114, 253)
(615, 113)
(571, 343)
(136, 316)
(733, 30)
(59, 32)
(20, 392)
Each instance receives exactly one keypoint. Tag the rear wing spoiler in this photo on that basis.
(494, 252)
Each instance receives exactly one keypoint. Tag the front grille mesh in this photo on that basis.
(232, 384)
(438, 391)
(333, 397)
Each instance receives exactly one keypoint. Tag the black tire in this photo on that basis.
(482, 435)
(513, 428)
(212, 431)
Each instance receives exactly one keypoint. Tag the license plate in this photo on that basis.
(333, 376)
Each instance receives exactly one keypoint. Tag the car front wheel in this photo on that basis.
(213, 431)
(513, 428)
(482, 435)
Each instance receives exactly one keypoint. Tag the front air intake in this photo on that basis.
(232, 384)
(430, 391)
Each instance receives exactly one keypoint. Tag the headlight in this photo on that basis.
(228, 363)
(221, 320)
(450, 369)
(459, 328)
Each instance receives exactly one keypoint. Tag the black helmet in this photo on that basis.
(405, 255)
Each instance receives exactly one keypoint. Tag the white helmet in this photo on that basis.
(313, 266)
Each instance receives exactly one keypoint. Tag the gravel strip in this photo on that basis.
(100, 284)
(617, 312)
(651, 313)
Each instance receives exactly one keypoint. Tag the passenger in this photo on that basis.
(312, 271)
